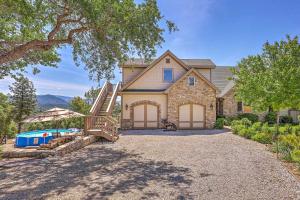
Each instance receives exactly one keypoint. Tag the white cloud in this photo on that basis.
(44, 86)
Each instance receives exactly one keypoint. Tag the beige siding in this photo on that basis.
(205, 73)
(160, 99)
(129, 73)
(153, 79)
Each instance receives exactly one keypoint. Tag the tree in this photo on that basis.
(79, 105)
(23, 98)
(101, 32)
(92, 95)
(271, 79)
(6, 116)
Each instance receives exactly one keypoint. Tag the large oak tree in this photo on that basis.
(101, 33)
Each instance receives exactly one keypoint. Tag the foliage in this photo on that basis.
(220, 123)
(101, 33)
(270, 79)
(117, 110)
(77, 122)
(270, 118)
(79, 105)
(23, 99)
(91, 95)
(6, 115)
(263, 138)
(285, 119)
(252, 117)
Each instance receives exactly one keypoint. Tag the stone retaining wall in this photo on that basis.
(60, 151)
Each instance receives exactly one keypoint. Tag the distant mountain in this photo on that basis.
(49, 101)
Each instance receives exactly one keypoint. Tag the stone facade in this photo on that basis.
(230, 105)
(202, 93)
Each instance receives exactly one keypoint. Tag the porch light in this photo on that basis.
(211, 106)
(126, 106)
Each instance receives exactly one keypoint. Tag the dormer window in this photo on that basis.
(191, 80)
(168, 75)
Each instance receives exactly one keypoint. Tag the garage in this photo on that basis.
(191, 116)
(145, 116)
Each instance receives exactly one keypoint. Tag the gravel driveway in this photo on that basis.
(154, 165)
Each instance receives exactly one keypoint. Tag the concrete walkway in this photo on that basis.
(154, 165)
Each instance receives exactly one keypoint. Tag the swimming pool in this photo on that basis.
(38, 137)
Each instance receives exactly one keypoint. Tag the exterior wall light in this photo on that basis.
(211, 106)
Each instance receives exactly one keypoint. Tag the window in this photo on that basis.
(191, 81)
(168, 60)
(239, 106)
(168, 74)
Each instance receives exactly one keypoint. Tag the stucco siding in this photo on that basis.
(132, 98)
(153, 78)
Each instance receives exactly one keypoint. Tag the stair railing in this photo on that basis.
(113, 99)
(107, 87)
(105, 124)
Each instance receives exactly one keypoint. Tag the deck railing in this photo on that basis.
(104, 124)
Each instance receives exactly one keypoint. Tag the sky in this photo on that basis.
(223, 30)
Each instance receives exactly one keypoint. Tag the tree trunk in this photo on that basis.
(19, 127)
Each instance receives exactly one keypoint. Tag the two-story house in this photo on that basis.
(187, 92)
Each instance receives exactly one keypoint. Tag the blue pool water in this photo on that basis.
(35, 138)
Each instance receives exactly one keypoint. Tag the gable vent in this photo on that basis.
(167, 60)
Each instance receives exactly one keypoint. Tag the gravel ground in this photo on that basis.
(154, 165)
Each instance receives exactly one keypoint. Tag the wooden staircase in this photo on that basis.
(100, 122)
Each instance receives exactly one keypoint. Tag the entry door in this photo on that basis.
(191, 116)
(145, 116)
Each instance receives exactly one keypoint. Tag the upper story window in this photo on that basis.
(168, 75)
(191, 80)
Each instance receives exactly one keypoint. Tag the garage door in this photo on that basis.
(145, 116)
(191, 116)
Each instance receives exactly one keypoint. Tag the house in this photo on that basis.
(187, 92)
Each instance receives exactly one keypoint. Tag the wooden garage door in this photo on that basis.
(191, 116)
(145, 116)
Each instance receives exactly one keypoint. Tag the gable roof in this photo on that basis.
(167, 53)
(227, 88)
(220, 76)
(192, 63)
(198, 74)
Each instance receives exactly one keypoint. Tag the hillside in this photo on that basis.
(49, 101)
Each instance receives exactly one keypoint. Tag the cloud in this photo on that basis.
(45, 86)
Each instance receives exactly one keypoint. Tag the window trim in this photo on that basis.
(193, 81)
(163, 75)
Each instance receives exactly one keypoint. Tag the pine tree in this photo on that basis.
(23, 98)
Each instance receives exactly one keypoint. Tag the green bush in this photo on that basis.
(257, 126)
(295, 155)
(220, 123)
(229, 120)
(264, 138)
(252, 117)
(236, 129)
(270, 118)
(285, 120)
(246, 122)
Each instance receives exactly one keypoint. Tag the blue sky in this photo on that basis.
(222, 30)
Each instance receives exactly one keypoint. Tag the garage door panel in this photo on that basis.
(151, 113)
(151, 124)
(198, 112)
(191, 116)
(139, 113)
(184, 113)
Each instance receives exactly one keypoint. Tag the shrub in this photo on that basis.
(252, 117)
(246, 122)
(236, 129)
(220, 123)
(229, 120)
(262, 138)
(285, 120)
(295, 155)
(270, 118)
(257, 126)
